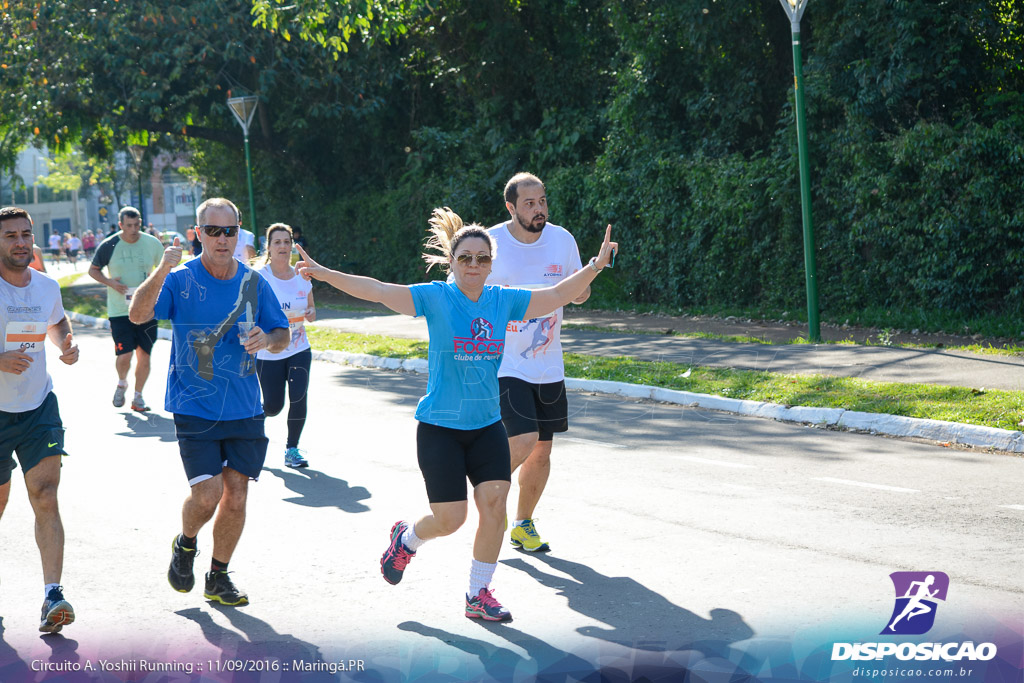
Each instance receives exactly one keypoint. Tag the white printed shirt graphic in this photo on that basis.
(533, 348)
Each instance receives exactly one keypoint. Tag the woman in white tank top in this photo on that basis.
(289, 368)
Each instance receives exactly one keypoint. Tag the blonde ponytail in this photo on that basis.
(444, 223)
(446, 232)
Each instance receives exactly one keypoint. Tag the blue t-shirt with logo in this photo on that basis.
(211, 375)
(467, 339)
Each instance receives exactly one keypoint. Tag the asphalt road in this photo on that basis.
(683, 540)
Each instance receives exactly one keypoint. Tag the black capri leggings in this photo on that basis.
(274, 375)
(447, 456)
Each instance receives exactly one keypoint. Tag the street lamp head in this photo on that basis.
(243, 108)
(794, 10)
(137, 151)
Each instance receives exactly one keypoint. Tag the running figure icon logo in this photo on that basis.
(917, 597)
(481, 329)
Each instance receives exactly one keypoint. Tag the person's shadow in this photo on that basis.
(638, 617)
(318, 490)
(545, 662)
(148, 425)
(258, 641)
(62, 648)
(12, 666)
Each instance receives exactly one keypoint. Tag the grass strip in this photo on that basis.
(1002, 409)
(94, 305)
(325, 338)
(747, 339)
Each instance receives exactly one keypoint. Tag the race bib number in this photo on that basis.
(129, 294)
(25, 337)
(295, 320)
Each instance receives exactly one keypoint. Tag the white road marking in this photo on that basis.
(589, 442)
(850, 482)
(708, 461)
(1013, 507)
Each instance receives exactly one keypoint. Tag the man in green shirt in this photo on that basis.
(129, 256)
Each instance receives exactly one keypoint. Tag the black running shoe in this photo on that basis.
(180, 574)
(57, 612)
(220, 588)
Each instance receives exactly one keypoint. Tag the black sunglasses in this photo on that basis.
(218, 230)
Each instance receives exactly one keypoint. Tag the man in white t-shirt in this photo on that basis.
(54, 244)
(245, 249)
(532, 253)
(30, 426)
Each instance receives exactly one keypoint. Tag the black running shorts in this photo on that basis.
(528, 408)
(127, 335)
(447, 456)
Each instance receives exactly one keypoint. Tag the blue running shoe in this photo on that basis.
(57, 612)
(294, 459)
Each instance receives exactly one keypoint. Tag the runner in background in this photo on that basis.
(534, 253)
(37, 259)
(288, 369)
(129, 256)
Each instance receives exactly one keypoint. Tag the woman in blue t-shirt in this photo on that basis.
(460, 433)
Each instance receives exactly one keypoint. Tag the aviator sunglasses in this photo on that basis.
(481, 259)
(218, 230)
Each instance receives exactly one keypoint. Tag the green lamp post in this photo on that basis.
(138, 151)
(795, 10)
(243, 108)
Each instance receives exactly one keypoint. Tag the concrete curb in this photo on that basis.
(875, 423)
(104, 324)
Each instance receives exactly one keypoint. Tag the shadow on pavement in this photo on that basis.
(544, 663)
(256, 640)
(405, 388)
(12, 666)
(149, 425)
(639, 618)
(62, 649)
(318, 490)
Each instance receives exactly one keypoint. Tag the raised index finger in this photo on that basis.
(608, 234)
(302, 252)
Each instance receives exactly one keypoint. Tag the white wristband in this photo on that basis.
(593, 267)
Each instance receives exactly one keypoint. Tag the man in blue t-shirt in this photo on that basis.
(222, 312)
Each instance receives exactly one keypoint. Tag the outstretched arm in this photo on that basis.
(396, 297)
(544, 301)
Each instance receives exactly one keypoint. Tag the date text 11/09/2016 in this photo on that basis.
(210, 665)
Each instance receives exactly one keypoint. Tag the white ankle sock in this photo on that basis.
(480, 575)
(410, 540)
(49, 587)
(123, 383)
